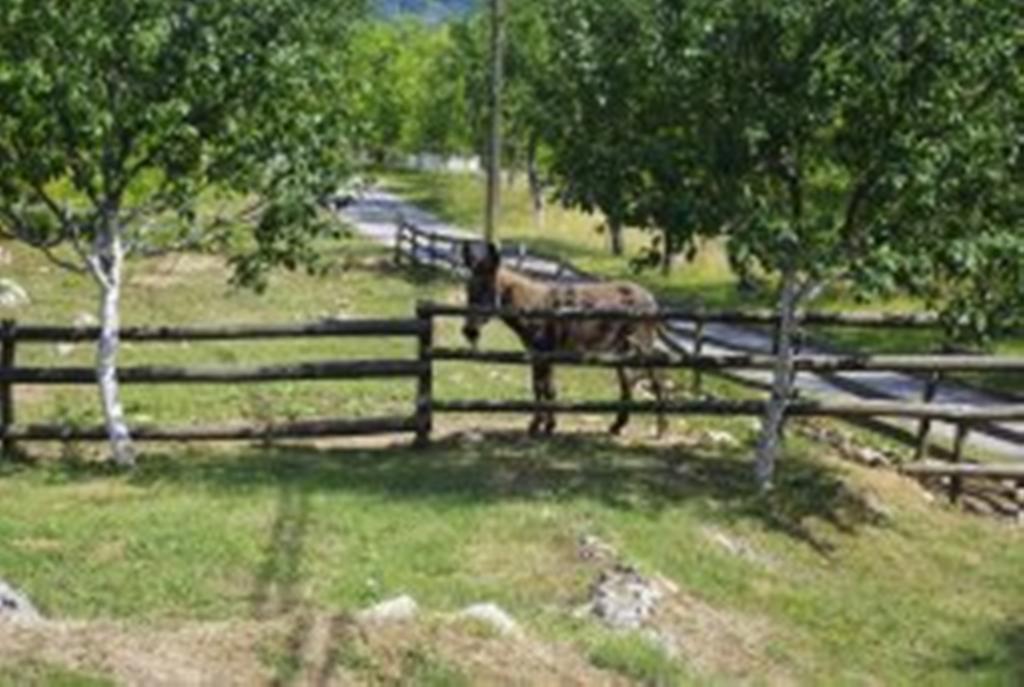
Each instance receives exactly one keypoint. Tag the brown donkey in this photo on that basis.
(492, 286)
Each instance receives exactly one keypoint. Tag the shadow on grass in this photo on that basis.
(1006, 661)
(507, 466)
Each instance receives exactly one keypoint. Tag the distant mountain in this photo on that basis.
(431, 10)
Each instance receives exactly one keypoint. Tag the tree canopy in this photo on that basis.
(119, 116)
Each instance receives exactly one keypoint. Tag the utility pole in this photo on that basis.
(494, 140)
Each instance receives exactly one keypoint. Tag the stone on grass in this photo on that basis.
(721, 439)
(15, 606)
(492, 615)
(591, 548)
(623, 599)
(12, 294)
(398, 609)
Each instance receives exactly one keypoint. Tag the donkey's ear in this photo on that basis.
(493, 254)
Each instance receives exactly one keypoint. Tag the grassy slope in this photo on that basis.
(841, 576)
(708, 279)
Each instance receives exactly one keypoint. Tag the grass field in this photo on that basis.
(247, 563)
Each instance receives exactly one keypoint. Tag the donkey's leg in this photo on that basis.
(625, 395)
(539, 395)
(658, 389)
(549, 395)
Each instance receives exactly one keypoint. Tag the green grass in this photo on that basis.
(38, 674)
(640, 659)
(853, 576)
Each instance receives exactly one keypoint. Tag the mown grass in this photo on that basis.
(839, 576)
(706, 280)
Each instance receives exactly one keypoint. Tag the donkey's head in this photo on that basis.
(482, 261)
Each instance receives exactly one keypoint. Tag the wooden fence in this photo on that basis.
(965, 418)
(13, 336)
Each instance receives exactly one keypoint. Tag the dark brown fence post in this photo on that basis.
(425, 385)
(414, 249)
(8, 341)
(956, 482)
(399, 235)
(698, 349)
(431, 247)
(1019, 498)
(931, 387)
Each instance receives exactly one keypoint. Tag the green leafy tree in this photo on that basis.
(120, 116)
(859, 143)
(407, 90)
(876, 145)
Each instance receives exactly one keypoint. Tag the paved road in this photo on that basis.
(376, 214)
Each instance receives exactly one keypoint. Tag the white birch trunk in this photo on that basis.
(107, 264)
(782, 384)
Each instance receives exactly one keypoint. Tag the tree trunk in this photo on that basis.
(782, 383)
(666, 254)
(615, 237)
(533, 179)
(107, 264)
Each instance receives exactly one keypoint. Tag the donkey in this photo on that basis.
(492, 286)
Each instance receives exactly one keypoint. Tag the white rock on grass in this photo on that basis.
(492, 615)
(398, 609)
(623, 599)
(15, 606)
(721, 439)
(12, 294)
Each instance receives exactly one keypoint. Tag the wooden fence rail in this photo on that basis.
(760, 317)
(420, 369)
(802, 363)
(327, 370)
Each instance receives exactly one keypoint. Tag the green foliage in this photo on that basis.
(878, 143)
(121, 114)
(407, 89)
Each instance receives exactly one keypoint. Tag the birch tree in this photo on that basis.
(121, 116)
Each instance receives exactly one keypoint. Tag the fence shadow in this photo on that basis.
(508, 466)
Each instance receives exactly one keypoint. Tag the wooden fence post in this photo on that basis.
(698, 349)
(8, 341)
(931, 387)
(956, 482)
(399, 235)
(414, 249)
(431, 247)
(1019, 499)
(425, 384)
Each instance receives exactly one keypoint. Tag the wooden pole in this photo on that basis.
(956, 481)
(494, 139)
(8, 340)
(1019, 498)
(415, 247)
(425, 384)
(698, 348)
(399, 235)
(924, 427)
